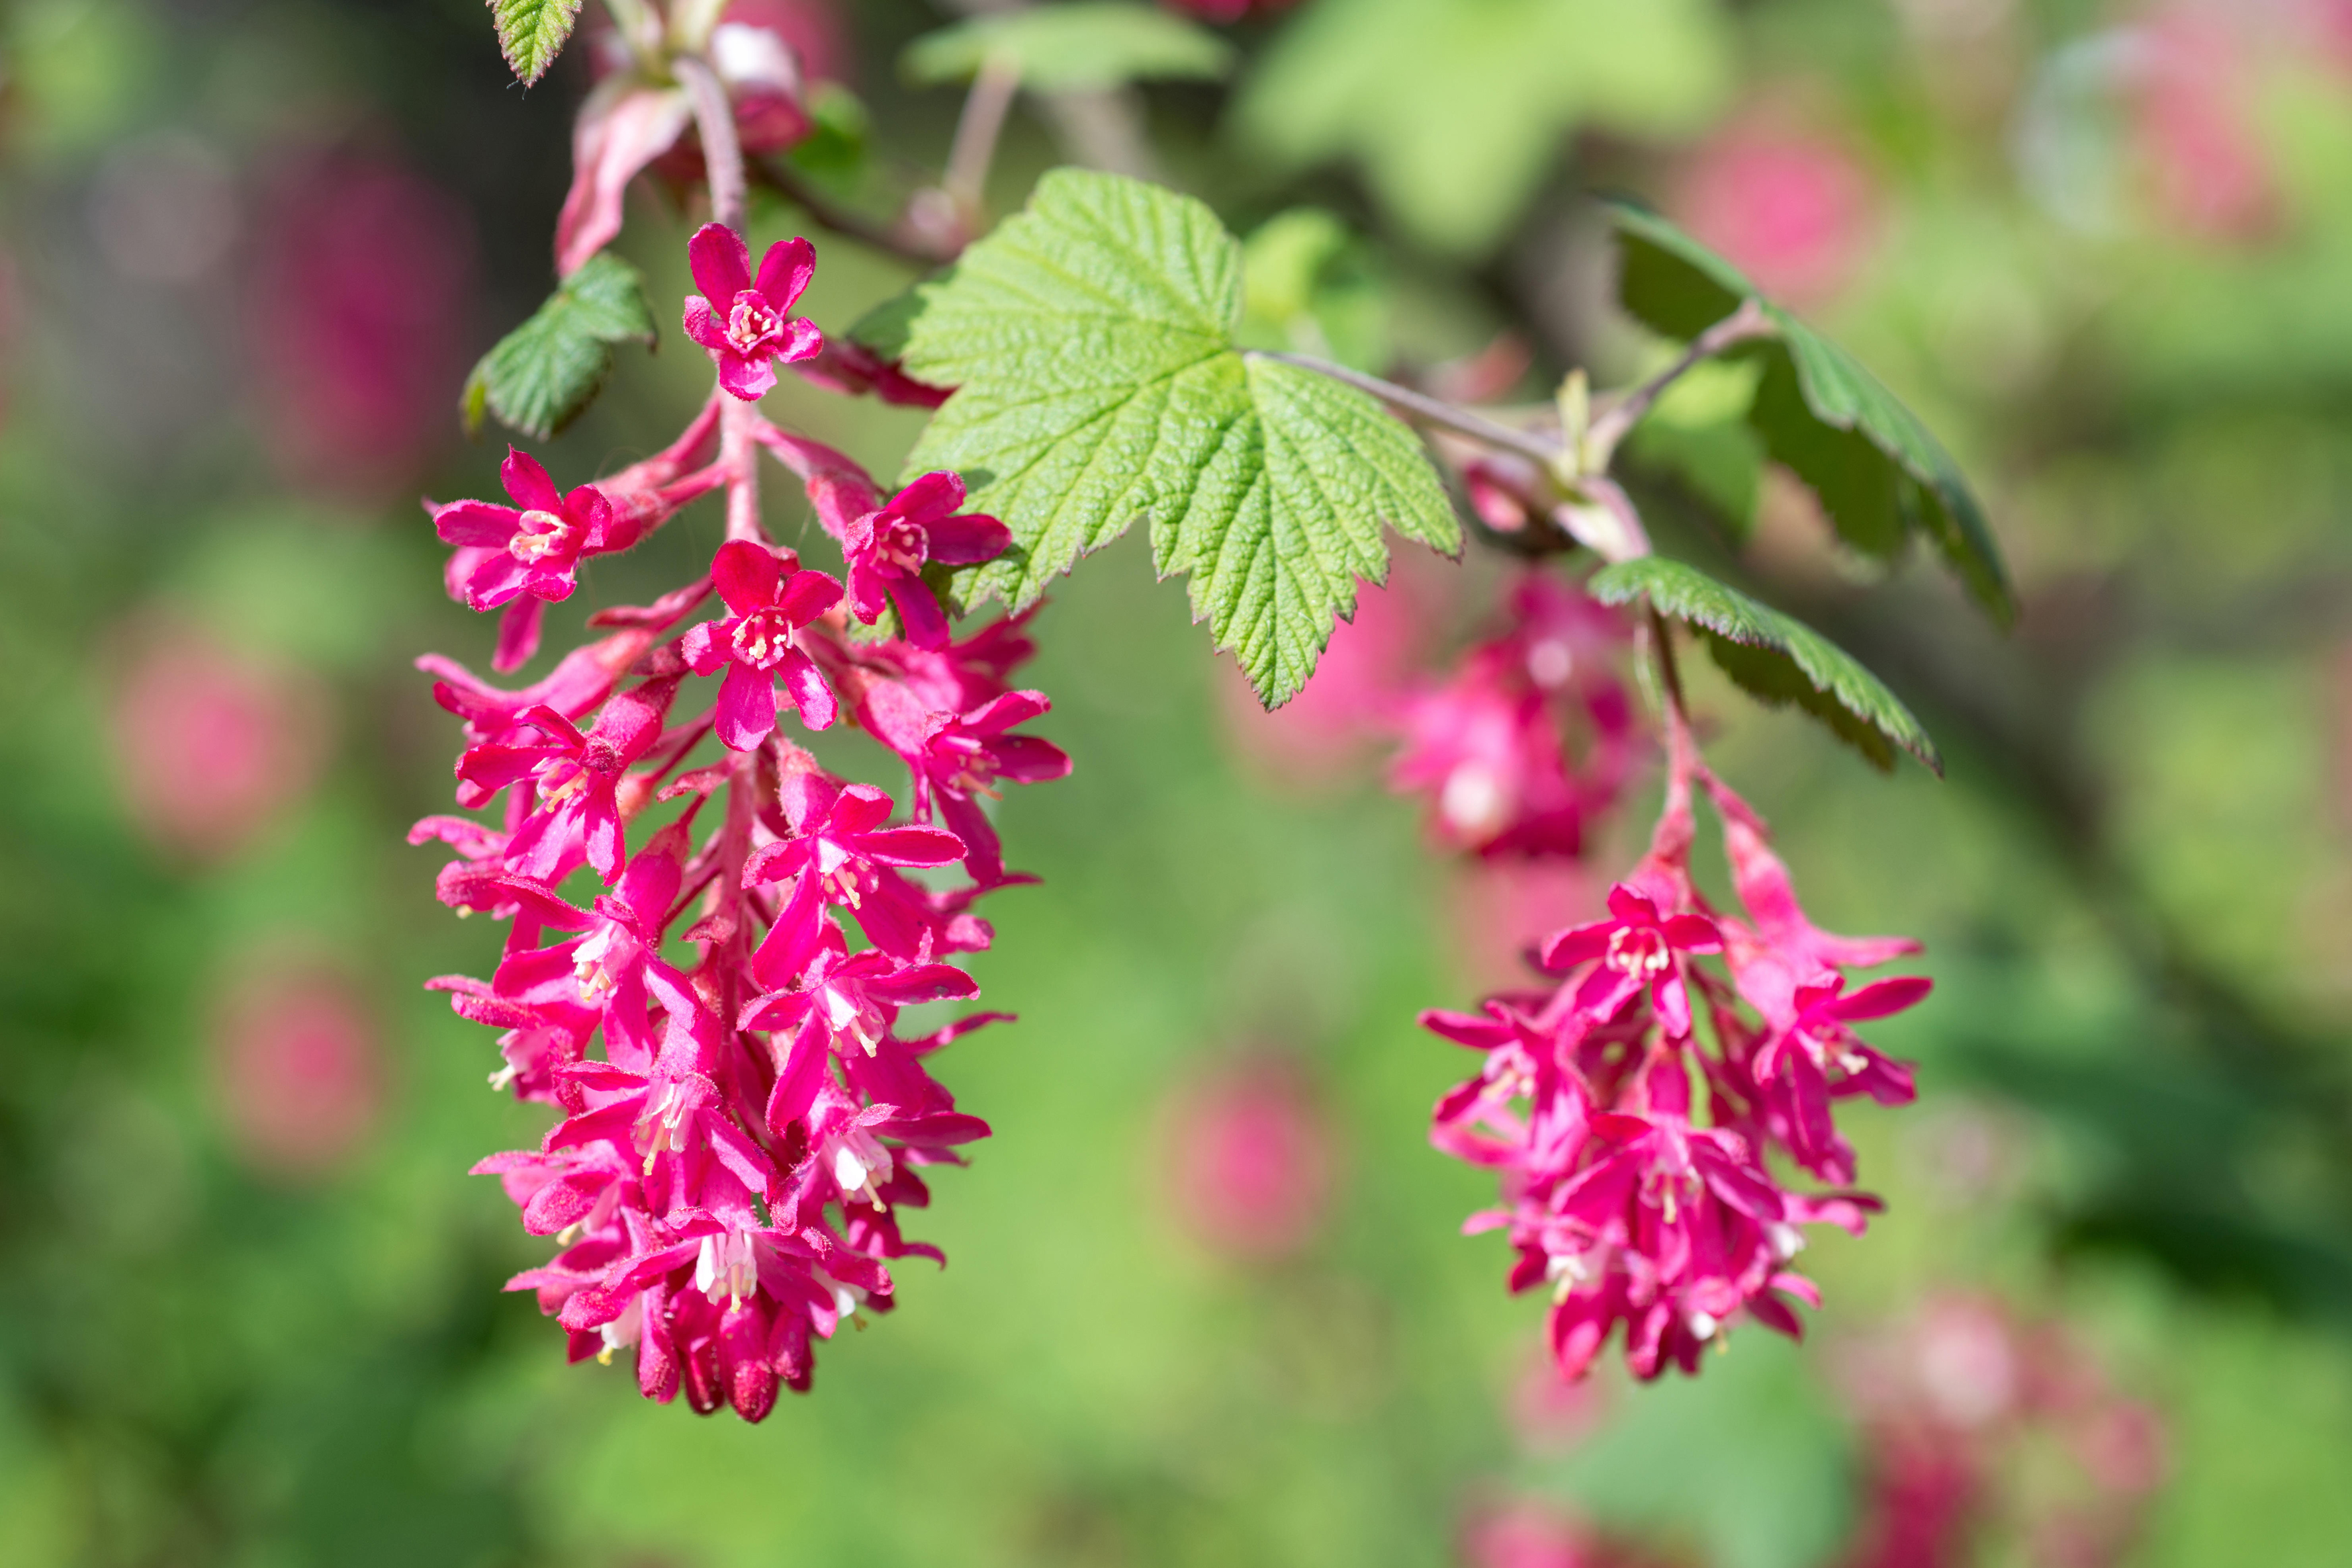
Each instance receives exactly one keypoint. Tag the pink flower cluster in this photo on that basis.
(1491, 743)
(1952, 1399)
(716, 1013)
(1631, 1142)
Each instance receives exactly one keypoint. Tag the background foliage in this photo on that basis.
(248, 1305)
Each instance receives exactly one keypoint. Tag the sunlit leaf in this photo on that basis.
(544, 375)
(1774, 657)
(1073, 46)
(1092, 339)
(531, 33)
(1880, 473)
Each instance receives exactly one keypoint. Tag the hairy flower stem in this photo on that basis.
(1670, 674)
(722, 153)
(981, 122)
(722, 156)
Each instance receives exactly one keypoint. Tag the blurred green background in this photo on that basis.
(249, 1305)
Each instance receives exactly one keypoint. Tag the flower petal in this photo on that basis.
(747, 575)
(785, 270)
(745, 710)
(969, 538)
(526, 480)
(721, 263)
(745, 379)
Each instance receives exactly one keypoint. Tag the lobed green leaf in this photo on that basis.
(1091, 339)
(1880, 473)
(1774, 657)
(1073, 46)
(531, 33)
(542, 375)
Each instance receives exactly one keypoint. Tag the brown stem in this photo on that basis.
(1618, 420)
(786, 182)
(1461, 421)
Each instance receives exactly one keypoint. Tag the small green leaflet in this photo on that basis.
(1879, 472)
(531, 33)
(541, 375)
(1774, 658)
(1091, 338)
(1078, 46)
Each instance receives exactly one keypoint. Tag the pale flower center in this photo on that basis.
(1639, 951)
(725, 1268)
(761, 639)
(539, 534)
(751, 321)
(900, 545)
(1474, 802)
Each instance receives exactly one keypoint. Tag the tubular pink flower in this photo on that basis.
(576, 776)
(842, 858)
(888, 548)
(1633, 1203)
(772, 600)
(531, 548)
(746, 325)
(1491, 744)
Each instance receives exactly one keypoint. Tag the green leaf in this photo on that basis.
(1075, 47)
(1698, 433)
(1091, 338)
(1458, 109)
(541, 375)
(885, 328)
(1774, 657)
(531, 33)
(1880, 473)
(835, 151)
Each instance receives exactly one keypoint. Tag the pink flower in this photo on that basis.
(745, 325)
(886, 550)
(211, 746)
(1637, 947)
(577, 779)
(844, 1001)
(956, 756)
(625, 125)
(531, 548)
(2195, 126)
(842, 857)
(1250, 1161)
(298, 1068)
(772, 600)
(1817, 1057)
(1791, 207)
(1526, 1532)
(356, 313)
(1491, 743)
(1616, 1193)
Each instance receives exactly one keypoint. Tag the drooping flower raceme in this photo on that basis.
(1629, 1106)
(742, 1123)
